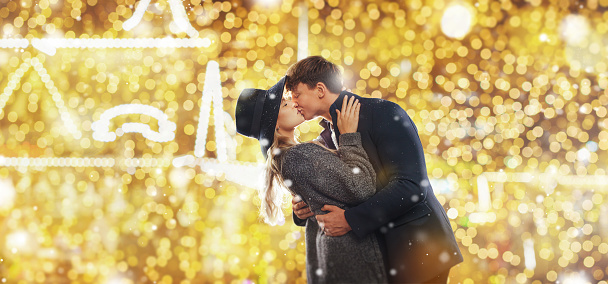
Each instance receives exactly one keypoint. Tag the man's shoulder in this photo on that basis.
(381, 108)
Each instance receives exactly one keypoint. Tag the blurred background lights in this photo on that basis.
(20, 242)
(7, 194)
(509, 97)
(456, 21)
(574, 29)
(575, 278)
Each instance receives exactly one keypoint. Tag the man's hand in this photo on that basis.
(333, 223)
(300, 208)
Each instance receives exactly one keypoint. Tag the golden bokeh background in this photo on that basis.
(509, 98)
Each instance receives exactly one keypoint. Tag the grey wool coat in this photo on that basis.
(345, 180)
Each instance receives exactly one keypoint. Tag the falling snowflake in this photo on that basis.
(288, 183)
(319, 272)
(424, 183)
(276, 151)
(415, 198)
(272, 96)
(444, 257)
(391, 225)
(393, 271)
(264, 142)
(356, 170)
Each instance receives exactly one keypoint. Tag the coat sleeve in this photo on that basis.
(347, 177)
(321, 140)
(402, 159)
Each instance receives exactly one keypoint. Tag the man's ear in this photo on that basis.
(321, 90)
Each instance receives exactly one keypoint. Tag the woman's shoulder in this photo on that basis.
(304, 149)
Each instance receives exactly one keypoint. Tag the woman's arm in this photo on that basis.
(345, 179)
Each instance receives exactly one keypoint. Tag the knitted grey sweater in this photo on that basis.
(321, 177)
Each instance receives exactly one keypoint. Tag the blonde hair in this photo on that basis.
(273, 192)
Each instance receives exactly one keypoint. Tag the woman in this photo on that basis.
(319, 176)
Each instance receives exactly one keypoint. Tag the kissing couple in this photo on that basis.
(361, 188)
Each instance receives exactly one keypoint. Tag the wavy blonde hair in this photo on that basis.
(273, 192)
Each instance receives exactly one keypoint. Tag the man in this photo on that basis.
(417, 240)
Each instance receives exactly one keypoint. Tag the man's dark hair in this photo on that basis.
(312, 70)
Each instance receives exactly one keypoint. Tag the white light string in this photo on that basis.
(166, 128)
(16, 76)
(50, 45)
(14, 43)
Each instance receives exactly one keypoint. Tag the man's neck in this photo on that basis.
(331, 98)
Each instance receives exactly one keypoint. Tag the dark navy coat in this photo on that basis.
(417, 240)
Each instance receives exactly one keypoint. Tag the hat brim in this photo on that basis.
(270, 115)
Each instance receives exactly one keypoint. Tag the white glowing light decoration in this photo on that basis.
(180, 18)
(50, 45)
(574, 29)
(245, 174)
(268, 3)
(19, 241)
(482, 217)
(82, 162)
(212, 92)
(529, 255)
(575, 278)
(142, 6)
(566, 180)
(456, 21)
(583, 155)
(16, 76)
(14, 43)
(166, 128)
(7, 194)
(483, 193)
(303, 31)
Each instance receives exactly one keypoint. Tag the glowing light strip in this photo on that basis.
(529, 255)
(83, 162)
(482, 217)
(567, 180)
(303, 31)
(166, 128)
(212, 85)
(245, 174)
(15, 77)
(50, 45)
(14, 43)
(180, 18)
(50, 86)
(483, 193)
(137, 15)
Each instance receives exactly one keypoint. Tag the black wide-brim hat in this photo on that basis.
(257, 111)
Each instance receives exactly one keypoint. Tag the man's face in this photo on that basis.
(307, 100)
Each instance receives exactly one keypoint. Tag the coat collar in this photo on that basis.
(338, 105)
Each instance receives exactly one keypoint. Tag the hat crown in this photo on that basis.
(257, 111)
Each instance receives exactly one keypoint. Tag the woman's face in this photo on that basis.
(289, 115)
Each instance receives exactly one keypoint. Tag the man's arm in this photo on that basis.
(402, 158)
